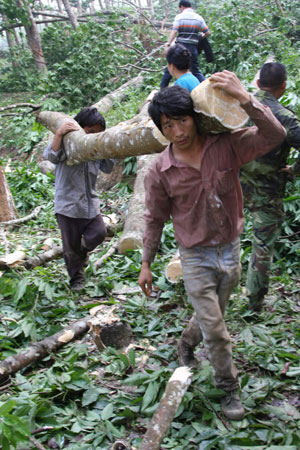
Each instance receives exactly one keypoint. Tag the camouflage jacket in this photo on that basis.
(261, 177)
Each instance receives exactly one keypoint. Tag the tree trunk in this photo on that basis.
(11, 42)
(106, 103)
(7, 206)
(70, 13)
(33, 38)
(101, 5)
(79, 7)
(39, 350)
(106, 328)
(134, 228)
(137, 136)
(166, 410)
(60, 6)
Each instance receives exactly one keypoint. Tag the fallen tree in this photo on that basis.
(166, 410)
(104, 324)
(132, 236)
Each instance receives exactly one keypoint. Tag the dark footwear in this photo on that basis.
(186, 355)
(255, 308)
(77, 287)
(232, 406)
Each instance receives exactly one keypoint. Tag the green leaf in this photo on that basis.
(90, 396)
(150, 394)
(107, 412)
(21, 289)
(7, 407)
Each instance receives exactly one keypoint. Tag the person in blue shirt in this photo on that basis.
(179, 63)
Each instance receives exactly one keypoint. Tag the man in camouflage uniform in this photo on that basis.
(263, 181)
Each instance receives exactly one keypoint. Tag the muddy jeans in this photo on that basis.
(210, 274)
(79, 237)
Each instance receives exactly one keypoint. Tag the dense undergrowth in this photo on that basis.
(90, 399)
(79, 398)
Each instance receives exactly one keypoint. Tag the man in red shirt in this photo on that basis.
(196, 181)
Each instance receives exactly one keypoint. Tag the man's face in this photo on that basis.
(97, 128)
(181, 131)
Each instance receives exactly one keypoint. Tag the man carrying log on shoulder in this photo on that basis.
(76, 204)
(196, 181)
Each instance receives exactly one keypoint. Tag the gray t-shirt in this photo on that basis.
(75, 194)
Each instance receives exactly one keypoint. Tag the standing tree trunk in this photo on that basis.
(11, 43)
(60, 6)
(101, 5)
(7, 206)
(70, 13)
(79, 7)
(33, 37)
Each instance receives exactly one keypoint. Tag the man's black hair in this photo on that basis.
(90, 116)
(179, 56)
(185, 4)
(173, 102)
(272, 74)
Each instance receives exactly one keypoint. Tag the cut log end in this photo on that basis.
(173, 270)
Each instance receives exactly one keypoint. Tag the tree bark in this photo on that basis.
(166, 410)
(33, 37)
(11, 42)
(106, 103)
(60, 6)
(134, 228)
(103, 323)
(40, 349)
(70, 13)
(43, 258)
(7, 206)
(137, 136)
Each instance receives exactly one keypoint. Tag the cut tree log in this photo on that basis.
(40, 349)
(7, 206)
(173, 270)
(132, 237)
(111, 330)
(12, 259)
(137, 136)
(218, 112)
(106, 328)
(166, 410)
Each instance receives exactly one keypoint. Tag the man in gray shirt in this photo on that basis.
(76, 203)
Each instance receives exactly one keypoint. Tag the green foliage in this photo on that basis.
(91, 399)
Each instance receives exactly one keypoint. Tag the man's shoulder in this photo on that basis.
(188, 14)
(280, 112)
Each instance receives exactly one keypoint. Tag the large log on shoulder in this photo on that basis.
(137, 136)
(218, 112)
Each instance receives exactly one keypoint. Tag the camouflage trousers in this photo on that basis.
(266, 230)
